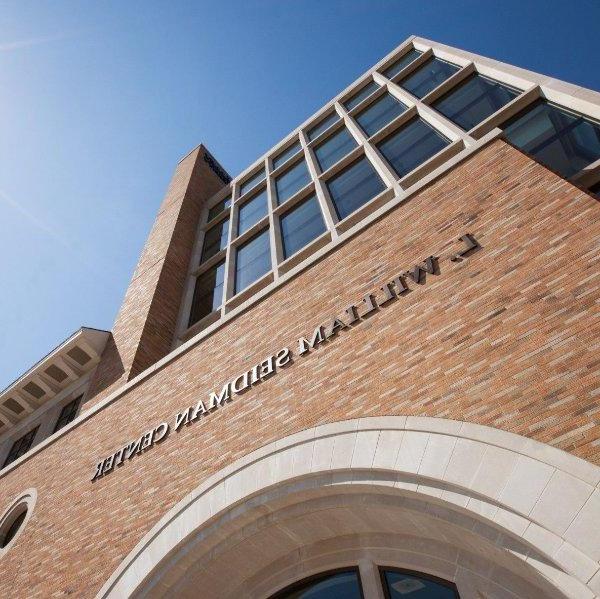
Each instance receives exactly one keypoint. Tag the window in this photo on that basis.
(562, 141)
(252, 211)
(397, 584)
(12, 529)
(20, 447)
(474, 100)
(208, 293)
(286, 155)
(323, 125)
(253, 260)
(301, 225)
(68, 413)
(358, 97)
(402, 62)
(334, 149)
(218, 208)
(252, 182)
(412, 145)
(428, 77)
(379, 114)
(333, 585)
(354, 186)
(215, 240)
(291, 181)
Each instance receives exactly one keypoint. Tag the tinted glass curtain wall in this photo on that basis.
(474, 100)
(253, 261)
(563, 141)
(428, 77)
(354, 187)
(252, 211)
(411, 146)
(301, 225)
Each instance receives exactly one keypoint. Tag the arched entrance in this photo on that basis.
(496, 514)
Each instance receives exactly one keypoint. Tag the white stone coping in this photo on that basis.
(544, 496)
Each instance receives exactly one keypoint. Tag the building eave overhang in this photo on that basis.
(71, 360)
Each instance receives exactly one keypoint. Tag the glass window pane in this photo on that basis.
(474, 100)
(286, 155)
(252, 211)
(301, 225)
(20, 447)
(354, 186)
(411, 146)
(365, 92)
(428, 77)
(324, 124)
(402, 62)
(291, 181)
(330, 586)
(562, 141)
(208, 293)
(252, 182)
(379, 114)
(401, 584)
(218, 208)
(68, 413)
(215, 240)
(253, 260)
(335, 148)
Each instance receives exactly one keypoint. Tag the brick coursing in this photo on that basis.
(508, 338)
(145, 326)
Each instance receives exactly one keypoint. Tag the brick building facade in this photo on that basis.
(410, 399)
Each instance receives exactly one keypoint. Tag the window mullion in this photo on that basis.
(321, 192)
(229, 277)
(388, 176)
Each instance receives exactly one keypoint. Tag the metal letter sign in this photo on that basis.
(351, 316)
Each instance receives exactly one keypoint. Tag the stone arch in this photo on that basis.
(499, 514)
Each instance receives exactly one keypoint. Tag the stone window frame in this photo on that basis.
(532, 86)
(24, 502)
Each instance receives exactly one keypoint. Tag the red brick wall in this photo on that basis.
(507, 338)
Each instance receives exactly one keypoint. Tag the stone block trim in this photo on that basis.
(449, 463)
(507, 338)
(145, 326)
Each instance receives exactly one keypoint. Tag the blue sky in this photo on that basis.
(100, 100)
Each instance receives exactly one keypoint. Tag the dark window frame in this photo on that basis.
(223, 234)
(314, 578)
(441, 581)
(193, 318)
(215, 215)
(21, 446)
(68, 413)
